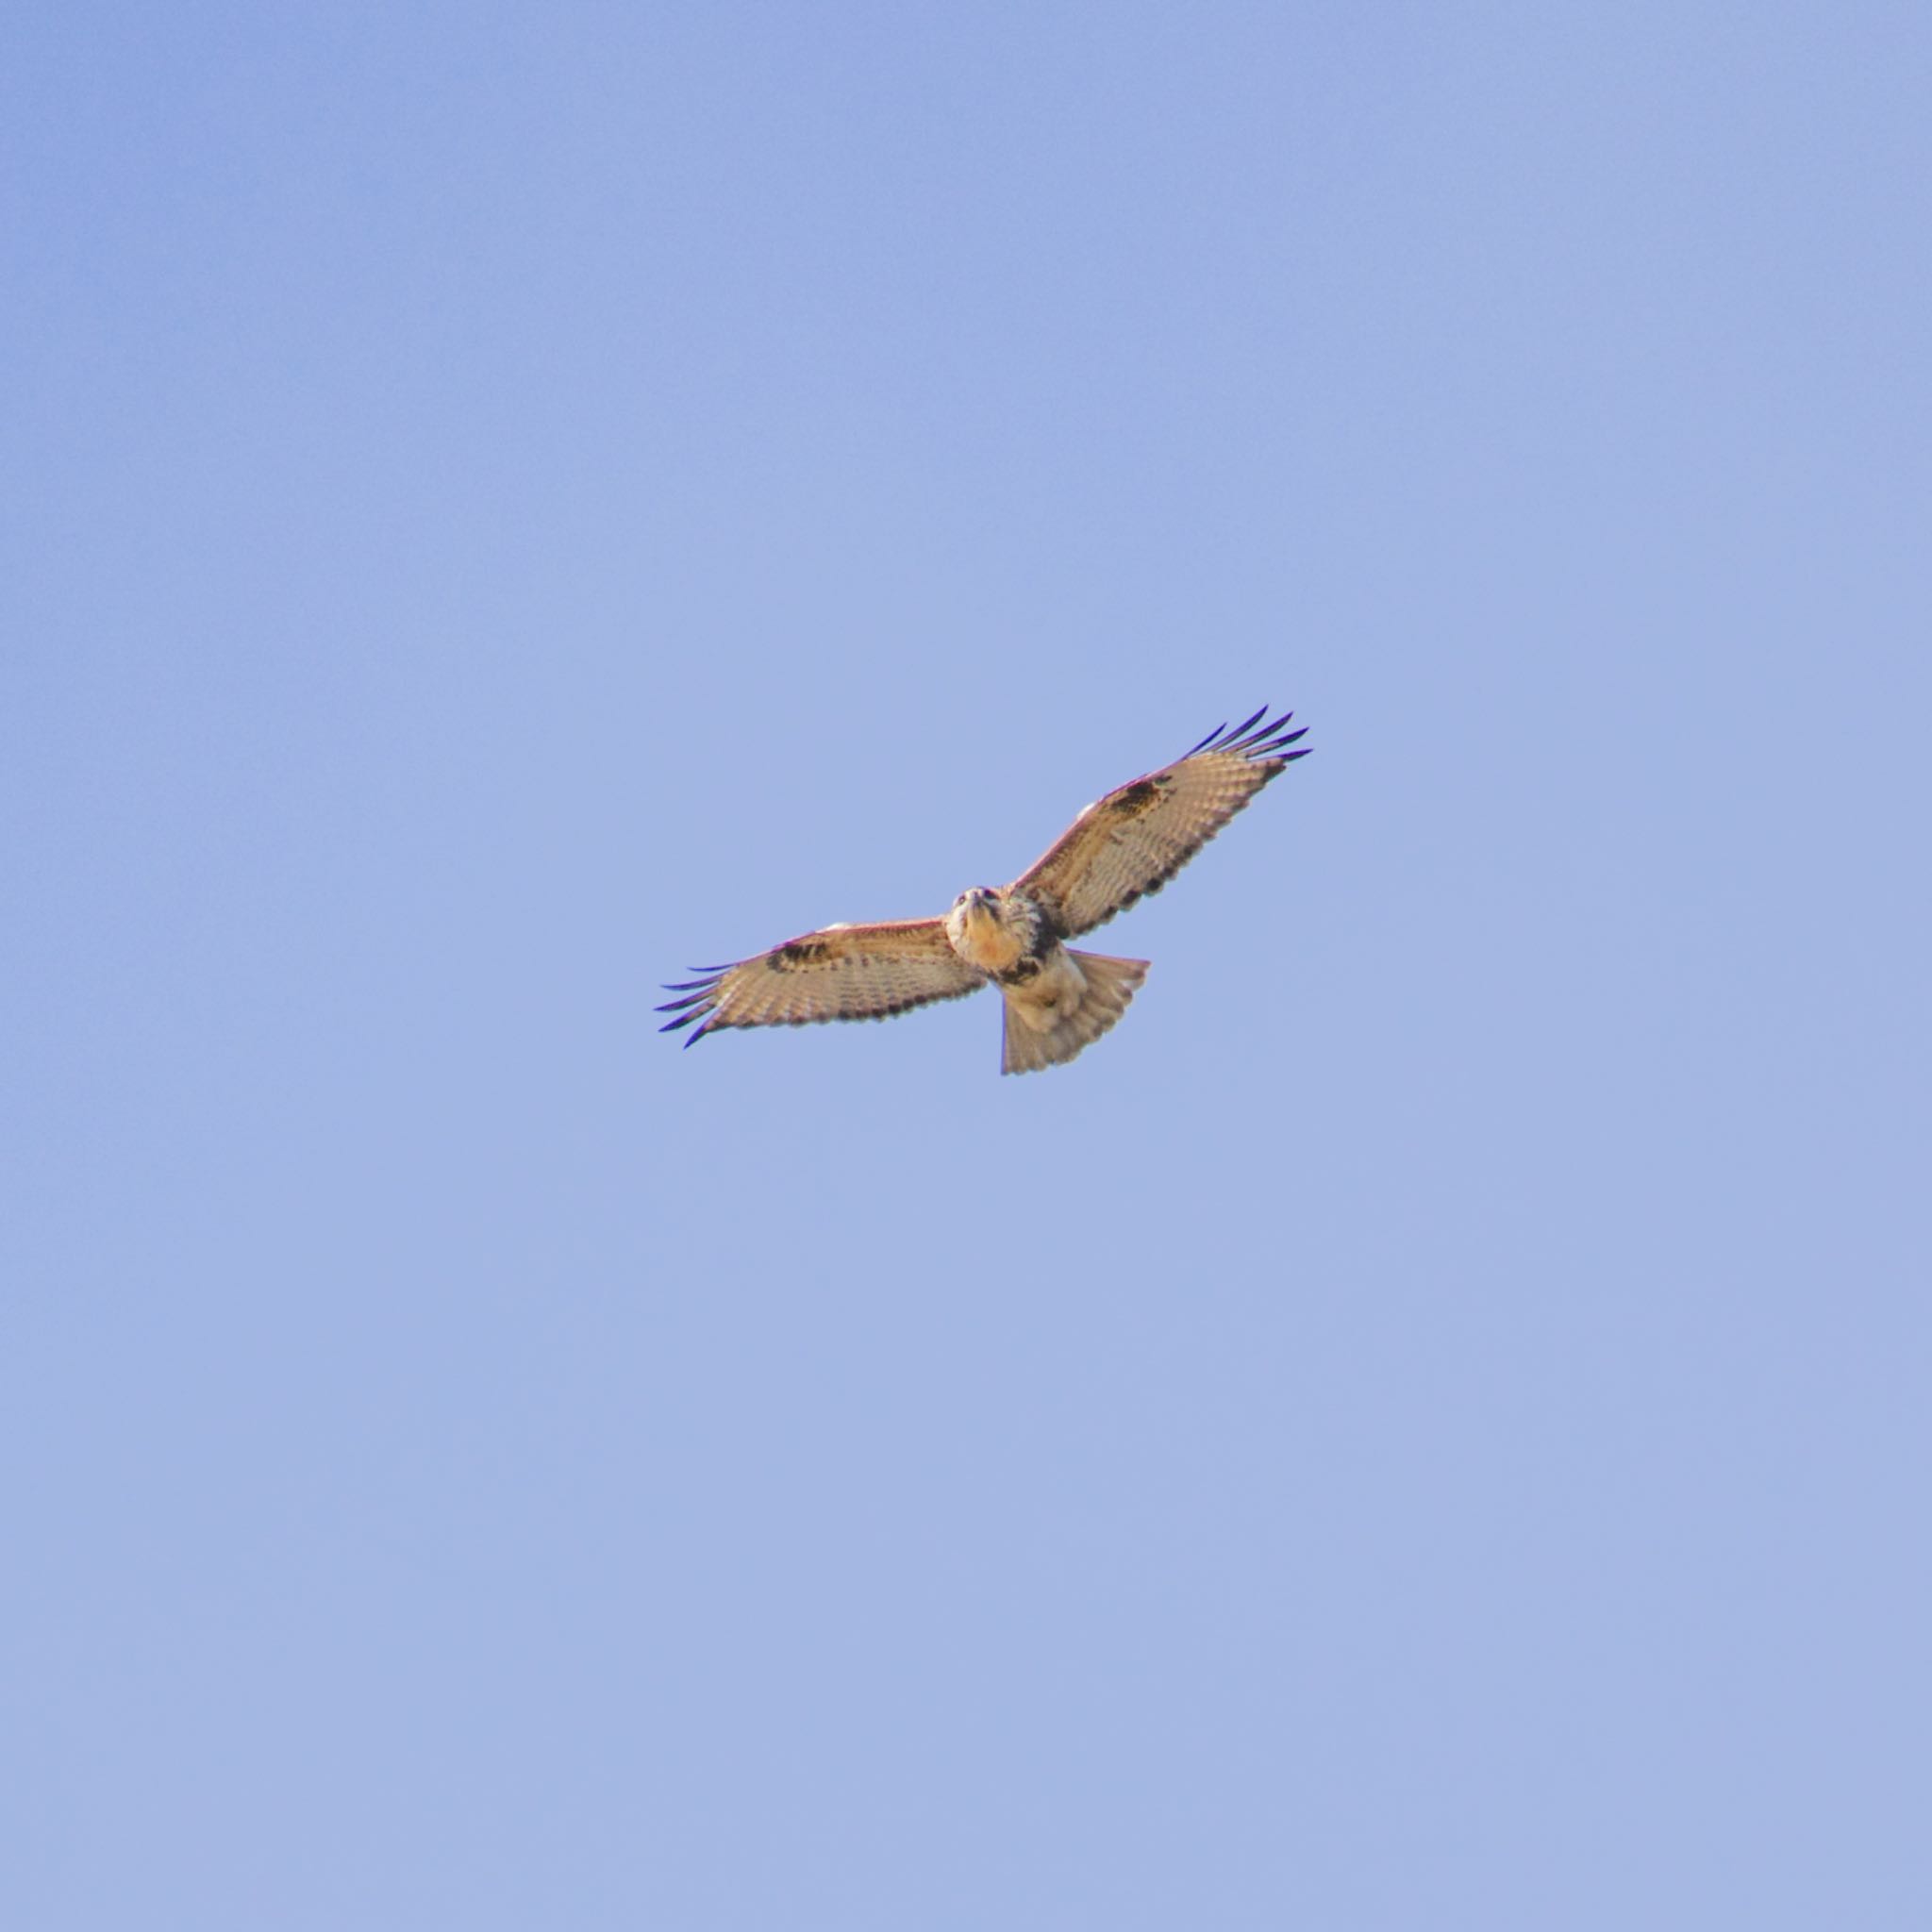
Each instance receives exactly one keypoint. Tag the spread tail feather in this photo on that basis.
(1110, 984)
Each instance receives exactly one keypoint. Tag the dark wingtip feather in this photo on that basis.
(690, 999)
(1273, 747)
(1256, 731)
(1266, 744)
(1251, 737)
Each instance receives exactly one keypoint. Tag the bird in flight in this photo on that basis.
(1057, 1000)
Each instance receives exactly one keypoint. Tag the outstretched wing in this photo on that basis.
(843, 972)
(1137, 838)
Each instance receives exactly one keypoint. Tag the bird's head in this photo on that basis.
(977, 902)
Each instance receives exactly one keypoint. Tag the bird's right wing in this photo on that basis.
(1139, 835)
(840, 972)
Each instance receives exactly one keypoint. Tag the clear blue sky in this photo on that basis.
(1425, 1425)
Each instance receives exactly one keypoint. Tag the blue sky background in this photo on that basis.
(1426, 1426)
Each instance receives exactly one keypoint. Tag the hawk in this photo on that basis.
(1058, 1001)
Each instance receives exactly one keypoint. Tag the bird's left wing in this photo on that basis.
(1139, 836)
(840, 972)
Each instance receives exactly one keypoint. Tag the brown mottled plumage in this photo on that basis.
(1057, 1000)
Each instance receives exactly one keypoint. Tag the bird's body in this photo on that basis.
(1057, 1000)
